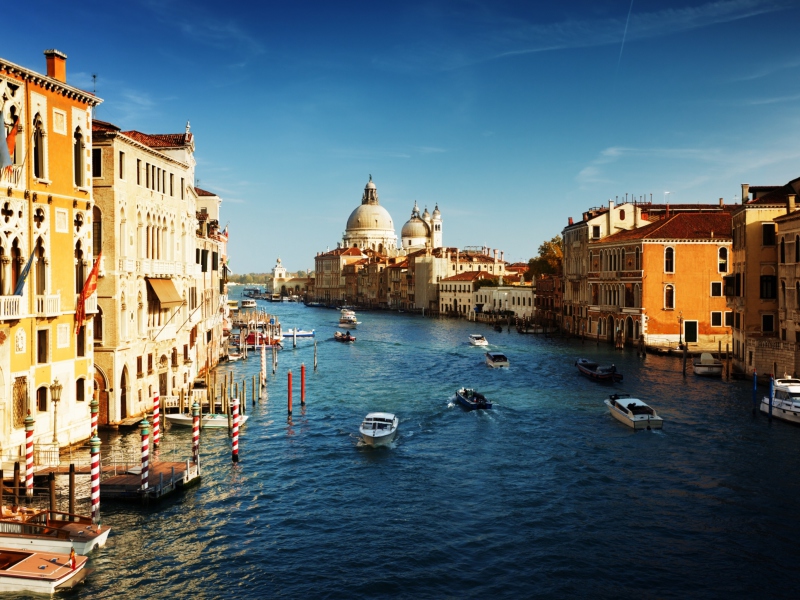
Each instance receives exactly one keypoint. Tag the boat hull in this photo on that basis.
(207, 421)
(377, 440)
(28, 576)
(785, 410)
(635, 423)
(594, 375)
(708, 370)
(472, 405)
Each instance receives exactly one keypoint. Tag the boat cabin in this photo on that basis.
(634, 406)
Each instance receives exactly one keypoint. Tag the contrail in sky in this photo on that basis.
(624, 34)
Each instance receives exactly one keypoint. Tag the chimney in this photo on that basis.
(56, 64)
(745, 192)
(570, 221)
(501, 255)
(611, 218)
(791, 204)
(495, 255)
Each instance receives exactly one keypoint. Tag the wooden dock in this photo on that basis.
(164, 479)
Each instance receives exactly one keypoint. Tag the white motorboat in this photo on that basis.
(348, 319)
(207, 421)
(496, 359)
(379, 428)
(234, 356)
(248, 303)
(50, 531)
(707, 365)
(289, 333)
(476, 339)
(39, 572)
(785, 401)
(633, 412)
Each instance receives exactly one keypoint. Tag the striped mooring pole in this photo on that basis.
(144, 428)
(94, 443)
(29, 421)
(196, 433)
(263, 366)
(94, 407)
(156, 420)
(235, 447)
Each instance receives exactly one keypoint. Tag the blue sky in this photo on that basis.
(512, 116)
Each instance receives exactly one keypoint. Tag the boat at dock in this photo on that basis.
(707, 365)
(256, 339)
(472, 400)
(633, 412)
(39, 572)
(597, 372)
(289, 333)
(379, 428)
(43, 530)
(207, 421)
(785, 401)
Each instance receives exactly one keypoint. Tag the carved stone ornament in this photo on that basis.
(19, 341)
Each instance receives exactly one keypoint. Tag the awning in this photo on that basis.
(166, 292)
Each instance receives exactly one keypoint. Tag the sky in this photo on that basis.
(511, 116)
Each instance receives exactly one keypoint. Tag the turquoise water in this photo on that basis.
(545, 495)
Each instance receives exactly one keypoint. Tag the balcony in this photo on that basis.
(127, 265)
(10, 307)
(90, 307)
(11, 175)
(164, 332)
(48, 306)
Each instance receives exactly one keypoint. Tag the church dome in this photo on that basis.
(414, 228)
(370, 216)
(436, 213)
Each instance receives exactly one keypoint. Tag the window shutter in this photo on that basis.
(204, 261)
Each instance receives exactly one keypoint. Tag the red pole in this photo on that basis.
(144, 428)
(156, 420)
(290, 392)
(303, 384)
(235, 453)
(94, 443)
(29, 453)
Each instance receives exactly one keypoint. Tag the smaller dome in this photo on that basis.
(370, 185)
(436, 212)
(414, 228)
(426, 215)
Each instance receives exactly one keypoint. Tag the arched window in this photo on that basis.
(783, 294)
(41, 269)
(98, 326)
(783, 250)
(723, 259)
(80, 275)
(97, 231)
(78, 157)
(669, 297)
(621, 215)
(638, 259)
(669, 260)
(39, 170)
(80, 390)
(41, 399)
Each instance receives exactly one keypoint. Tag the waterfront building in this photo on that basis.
(518, 298)
(548, 298)
(46, 169)
(663, 281)
(156, 299)
(397, 283)
(760, 291)
(422, 231)
(329, 273)
(457, 292)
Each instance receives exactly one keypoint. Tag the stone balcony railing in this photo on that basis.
(48, 305)
(11, 175)
(164, 332)
(10, 307)
(90, 307)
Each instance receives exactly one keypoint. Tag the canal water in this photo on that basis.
(545, 495)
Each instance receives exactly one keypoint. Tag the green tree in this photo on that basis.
(548, 261)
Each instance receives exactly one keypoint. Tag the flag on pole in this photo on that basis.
(11, 139)
(23, 276)
(89, 288)
(5, 155)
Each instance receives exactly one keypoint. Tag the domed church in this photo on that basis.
(371, 226)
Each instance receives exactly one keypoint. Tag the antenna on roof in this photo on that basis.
(94, 83)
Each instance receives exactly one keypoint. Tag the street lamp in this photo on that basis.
(55, 394)
(680, 329)
(665, 196)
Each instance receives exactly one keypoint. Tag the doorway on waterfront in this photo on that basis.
(100, 388)
(610, 328)
(628, 329)
(690, 332)
(123, 394)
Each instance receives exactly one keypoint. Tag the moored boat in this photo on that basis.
(785, 400)
(299, 333)
(633, 412)
(597, 372)
(496, 359)
(476, 339)
(248, 303)
(50, 531)
(344, 337)
(379, 428)
(39, 572)
(207, 421)
(707, 365)
(472, 400)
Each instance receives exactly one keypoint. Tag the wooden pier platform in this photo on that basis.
(164, 479)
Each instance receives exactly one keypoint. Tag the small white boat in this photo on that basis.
(207, 421)
(477, 339)
(38, 572)
(785, 401)
(707, 365)
(496, 359)
(379, 428)
(40, 530)
(300, 333)
(234, 356)
(249, 303)
(348, 319)
(633, 412)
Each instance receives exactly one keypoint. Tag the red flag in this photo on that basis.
(11, 139)
(89, 288)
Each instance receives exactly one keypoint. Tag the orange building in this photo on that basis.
(663, 281)
(47, 214)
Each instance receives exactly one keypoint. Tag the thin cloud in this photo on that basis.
(773, 100)
(768, 70)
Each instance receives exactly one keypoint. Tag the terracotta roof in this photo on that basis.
(511, 278)
(203, 192)
(403, 264)
(98, 125)
(778, 195)
(160, 140)
(470, 276)
(682, 226)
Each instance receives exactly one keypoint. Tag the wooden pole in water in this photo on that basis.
(290, 391)
(315, 348)
(51, 481)
(71, 509)
(255, 390)
(685, 353)
(302, 384)
(755, 393)
(243, 397)
(16, 483)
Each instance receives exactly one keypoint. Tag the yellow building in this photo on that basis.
(46, 212)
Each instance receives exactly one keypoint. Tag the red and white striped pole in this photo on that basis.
(94, 407)
(144, 428)
(196, 433)
(94, 443)
(156, 420)
(29, 421)
(263, 366)
(235, 452)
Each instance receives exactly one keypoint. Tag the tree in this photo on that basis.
(549, 260)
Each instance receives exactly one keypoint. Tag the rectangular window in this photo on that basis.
(171, 184)
(214, 261)
(737, 320)
(595, 232)
(204, 261)
(147, 175)
(139, 372)
(81, 342)
(97, 162)
(122, 165)
(150, 363)
(716, 288)
(767, 323)
(730, 285)
(42, 346)
(183, 187)
(768, 234)
(728, 318)
(716, 318)
(769, 287)
(163, 181)
(186, 353)
(138, 172)
(197, 255)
